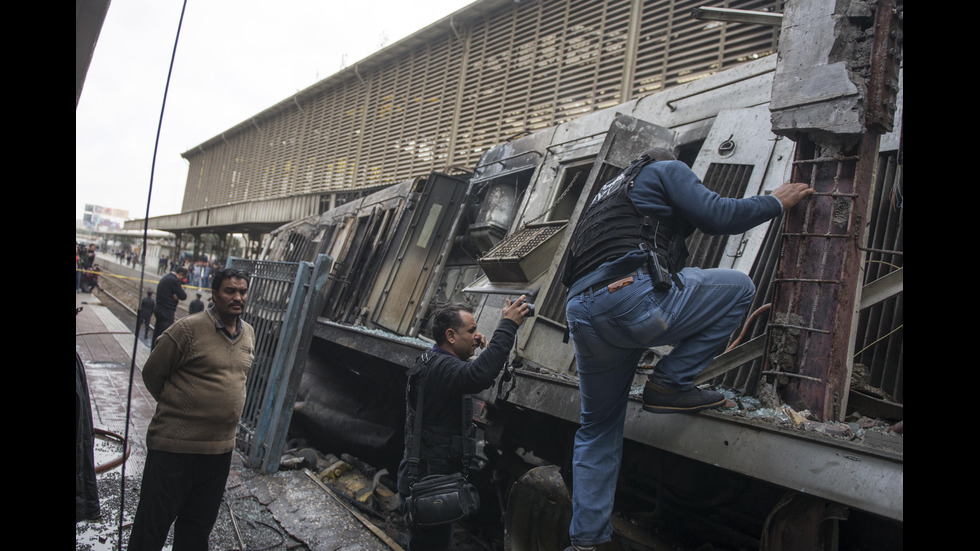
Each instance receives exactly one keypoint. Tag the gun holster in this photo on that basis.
(658, 274)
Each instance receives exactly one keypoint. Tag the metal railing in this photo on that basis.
(284, 300)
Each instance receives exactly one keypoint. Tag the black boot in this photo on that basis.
(660, 399)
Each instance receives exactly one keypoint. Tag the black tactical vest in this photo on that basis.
(612, 226)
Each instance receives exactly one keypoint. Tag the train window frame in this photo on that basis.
(572, 177)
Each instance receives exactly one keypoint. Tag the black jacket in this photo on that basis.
(169, 293)
(147, 305)
(448, 380)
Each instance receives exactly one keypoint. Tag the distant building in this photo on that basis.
(101, 218)
(440, 98)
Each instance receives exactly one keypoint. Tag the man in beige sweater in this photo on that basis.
(197, 373)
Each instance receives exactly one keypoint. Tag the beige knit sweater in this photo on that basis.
(197, 375)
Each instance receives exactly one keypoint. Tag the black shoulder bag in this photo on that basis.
(435, 499)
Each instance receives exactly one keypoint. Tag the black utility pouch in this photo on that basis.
(441, 499)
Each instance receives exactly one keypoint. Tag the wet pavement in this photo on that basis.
(284, 510)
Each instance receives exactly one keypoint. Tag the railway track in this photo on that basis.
(122, 285)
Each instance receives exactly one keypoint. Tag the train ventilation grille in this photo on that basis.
(524, 255)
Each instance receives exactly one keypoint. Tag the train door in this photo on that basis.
(740, 157)
(423, 241)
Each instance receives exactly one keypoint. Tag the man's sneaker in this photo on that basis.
(659, 399)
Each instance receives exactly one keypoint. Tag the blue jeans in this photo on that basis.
(611, 331)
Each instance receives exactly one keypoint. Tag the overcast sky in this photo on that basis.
(234, 58)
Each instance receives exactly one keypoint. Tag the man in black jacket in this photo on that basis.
(169, 293)
(147, 305)
(196, 305)
(448, 377)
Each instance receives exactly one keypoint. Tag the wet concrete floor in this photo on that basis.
(285, 510)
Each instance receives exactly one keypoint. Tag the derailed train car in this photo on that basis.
(757, 477)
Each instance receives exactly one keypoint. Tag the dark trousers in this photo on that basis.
(436, 538)
(145, 323)
(181, 489)
(159, 327)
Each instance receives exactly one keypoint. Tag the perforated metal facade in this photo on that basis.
(443, 96)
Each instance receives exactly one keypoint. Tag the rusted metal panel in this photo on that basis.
(817, 285)
(883, 83)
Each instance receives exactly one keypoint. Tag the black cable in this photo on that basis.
(146, 222)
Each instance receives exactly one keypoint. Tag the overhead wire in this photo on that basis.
(146, 221)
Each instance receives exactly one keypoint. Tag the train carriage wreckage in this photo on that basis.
(785, 470)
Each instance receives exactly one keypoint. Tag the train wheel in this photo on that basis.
(539, 510)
